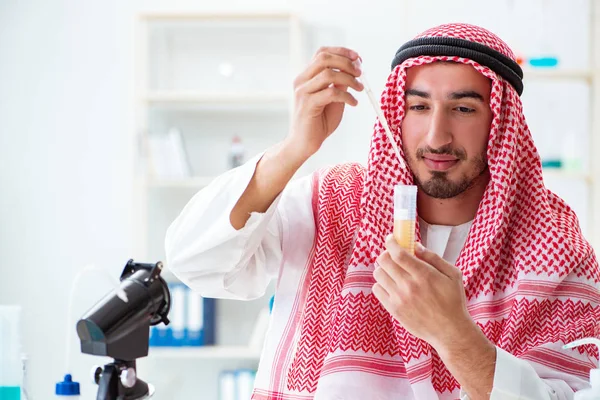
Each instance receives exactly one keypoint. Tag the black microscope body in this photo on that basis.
(121, 330)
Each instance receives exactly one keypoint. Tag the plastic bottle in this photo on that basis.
(25, 380)
(592, 393)
(236, 152)
(405, 214)
(67, 389)
(11, 368)
(571, 160)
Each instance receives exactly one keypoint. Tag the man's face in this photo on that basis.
(446, 127)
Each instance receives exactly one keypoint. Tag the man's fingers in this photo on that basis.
(436, 261)
(340, 51)
(381, 295)
(395, 272)
(384, 279)
(329, 77)
(332, 95)
(405, 260)
(327, 60)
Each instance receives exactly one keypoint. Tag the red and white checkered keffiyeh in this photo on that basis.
(531, 279)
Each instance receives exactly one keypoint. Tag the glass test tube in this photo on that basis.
(405, 214)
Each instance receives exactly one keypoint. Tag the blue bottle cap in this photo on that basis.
(67, 387)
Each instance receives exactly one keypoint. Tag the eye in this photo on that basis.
(465, 110)
(417, 108)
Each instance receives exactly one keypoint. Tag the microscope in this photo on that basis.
(118, 326)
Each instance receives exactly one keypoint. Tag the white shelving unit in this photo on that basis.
(197, 182)
(584, 74)
(176, 98)
(581, 186)
(558, 174)
(211, 76)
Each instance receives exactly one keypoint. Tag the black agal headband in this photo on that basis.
(455, 47)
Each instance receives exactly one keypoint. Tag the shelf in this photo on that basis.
(208, 352)
(560, 174)
(557, 73)
(214, 16)
(223, 101)
(187, 183)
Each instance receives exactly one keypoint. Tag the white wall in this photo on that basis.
(65, 165)
(66, 146)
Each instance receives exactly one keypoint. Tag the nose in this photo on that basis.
(439, 133)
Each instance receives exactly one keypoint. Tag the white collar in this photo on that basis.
(444, 240)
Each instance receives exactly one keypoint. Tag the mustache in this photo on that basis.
(444, 150)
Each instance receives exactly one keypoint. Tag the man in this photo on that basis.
(504, 279)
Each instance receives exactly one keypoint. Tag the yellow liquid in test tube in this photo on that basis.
(405, 215)
(404, 233)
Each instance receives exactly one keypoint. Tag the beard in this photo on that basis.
(440, 185)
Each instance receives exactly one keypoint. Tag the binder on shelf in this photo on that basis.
(167, 156)
(192, 320)
(261, 326)
(200, 320)
(236, 385)
(260, 330)
(160, 335)
(227, 385)
(178, 317)
(244, 384)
